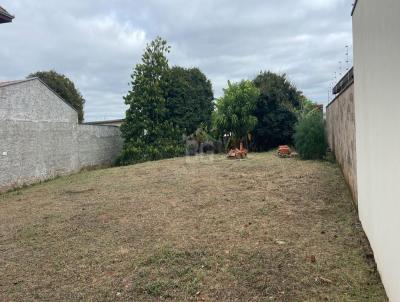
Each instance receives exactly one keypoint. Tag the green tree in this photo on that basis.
(64, 87)
(189, 99)
(310, 136)
(233, 115)
(147, 132)
(275, 111)
(306, 107)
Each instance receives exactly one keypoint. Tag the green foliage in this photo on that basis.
(275, 111)
(306, 107)
(234, 111)
(139, 152)
(310, 137)
(64, 87)
(148, 133)
(168, 274)
(189, 99)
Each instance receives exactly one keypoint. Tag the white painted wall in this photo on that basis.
(376, 26)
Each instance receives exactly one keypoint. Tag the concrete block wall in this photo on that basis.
(40, 137)
(98, 145)
(341, 132)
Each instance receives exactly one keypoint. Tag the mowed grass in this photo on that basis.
(200, 228)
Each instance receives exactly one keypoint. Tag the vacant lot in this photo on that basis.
(203, 229)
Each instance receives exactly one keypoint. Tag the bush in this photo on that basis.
(310, 136)
(137, 152)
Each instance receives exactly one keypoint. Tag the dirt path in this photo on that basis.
(202, 229)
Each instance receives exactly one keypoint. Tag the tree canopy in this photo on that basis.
(275, 111)
(189, 99)
(148, 133)
(64, 87)
(234, 111)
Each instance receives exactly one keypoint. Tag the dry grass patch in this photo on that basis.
(202, 229)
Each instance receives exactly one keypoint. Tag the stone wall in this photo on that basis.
(340, 119)
(40, 137)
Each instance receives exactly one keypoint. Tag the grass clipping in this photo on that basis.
(202, 228)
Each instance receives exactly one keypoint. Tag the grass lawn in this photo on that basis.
(201, 229)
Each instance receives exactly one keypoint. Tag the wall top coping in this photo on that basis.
(337, 96)
(344, 82)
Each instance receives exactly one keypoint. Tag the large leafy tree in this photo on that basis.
(189, 99)
(275, 111)
(234, 111)
(148, 133)
(64, 87)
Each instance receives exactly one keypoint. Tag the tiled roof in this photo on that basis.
(5, 16)
(4, 12)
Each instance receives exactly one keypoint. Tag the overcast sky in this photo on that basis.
(97, 42)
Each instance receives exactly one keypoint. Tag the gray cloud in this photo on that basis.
(97, 43)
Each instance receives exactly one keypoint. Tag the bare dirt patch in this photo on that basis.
(201, 229)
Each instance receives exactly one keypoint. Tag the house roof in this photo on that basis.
(5, 16)
(354, 7)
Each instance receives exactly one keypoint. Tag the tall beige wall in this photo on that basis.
(340, 122)
(376, 26)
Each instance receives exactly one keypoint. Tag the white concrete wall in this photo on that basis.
(376, 26)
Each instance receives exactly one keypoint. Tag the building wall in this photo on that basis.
(376, 26)
(98, 145)
(340, 120)
(40, 137)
